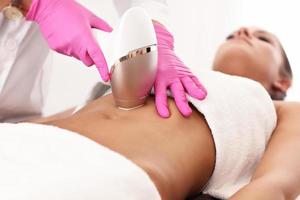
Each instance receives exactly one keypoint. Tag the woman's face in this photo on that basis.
(252, 53)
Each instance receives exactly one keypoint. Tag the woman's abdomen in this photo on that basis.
(178, 152)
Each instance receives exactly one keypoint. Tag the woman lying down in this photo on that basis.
(102, 152)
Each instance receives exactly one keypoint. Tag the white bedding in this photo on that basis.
(39, 162)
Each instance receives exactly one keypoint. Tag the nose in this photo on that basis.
(243, 32)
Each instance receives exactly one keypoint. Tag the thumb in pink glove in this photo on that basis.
(67, 27)
(173, 74)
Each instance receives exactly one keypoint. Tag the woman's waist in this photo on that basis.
(159, 149)
(157, 145)
(139, 130)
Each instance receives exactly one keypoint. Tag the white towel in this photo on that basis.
(242, 117)
(39, 162)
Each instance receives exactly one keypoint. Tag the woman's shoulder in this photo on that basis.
(286, 107)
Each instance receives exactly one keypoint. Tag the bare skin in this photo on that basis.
(277, 176)
(4, 3)
(24, 6)
(178, 153)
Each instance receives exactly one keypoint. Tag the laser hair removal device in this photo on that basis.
(135, 47)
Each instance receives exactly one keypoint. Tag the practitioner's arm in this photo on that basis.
(277, 176)
(4, 3)
(26, 5)
(23, 4)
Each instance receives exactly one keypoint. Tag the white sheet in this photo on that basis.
(41, 162)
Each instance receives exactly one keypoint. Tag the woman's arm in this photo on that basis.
(277, 176)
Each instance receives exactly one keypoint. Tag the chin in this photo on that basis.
(233, 59)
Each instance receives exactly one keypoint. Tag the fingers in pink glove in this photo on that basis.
(161, 100)
(98, 58)
(173, 71)
(199, 85)
(87, 61)
(86, 55)
(85, 58)
(180, 98)
(93, 55)
(95, 21)
(100, 24)
(193, 87)
(95, 52)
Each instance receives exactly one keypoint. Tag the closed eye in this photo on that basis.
(262, 38)
(229, 37)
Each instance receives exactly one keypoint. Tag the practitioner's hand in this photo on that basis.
(67, 26)
(173, 74)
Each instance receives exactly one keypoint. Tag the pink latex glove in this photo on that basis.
(67, 26)
(173, 74)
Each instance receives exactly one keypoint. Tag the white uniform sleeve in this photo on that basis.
(25, 70)
(157, 9)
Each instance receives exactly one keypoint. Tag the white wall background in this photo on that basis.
(199, 27)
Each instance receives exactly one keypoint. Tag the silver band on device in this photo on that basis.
(134, 53)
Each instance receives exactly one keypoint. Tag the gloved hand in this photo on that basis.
(67, 26)
(173, 74)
